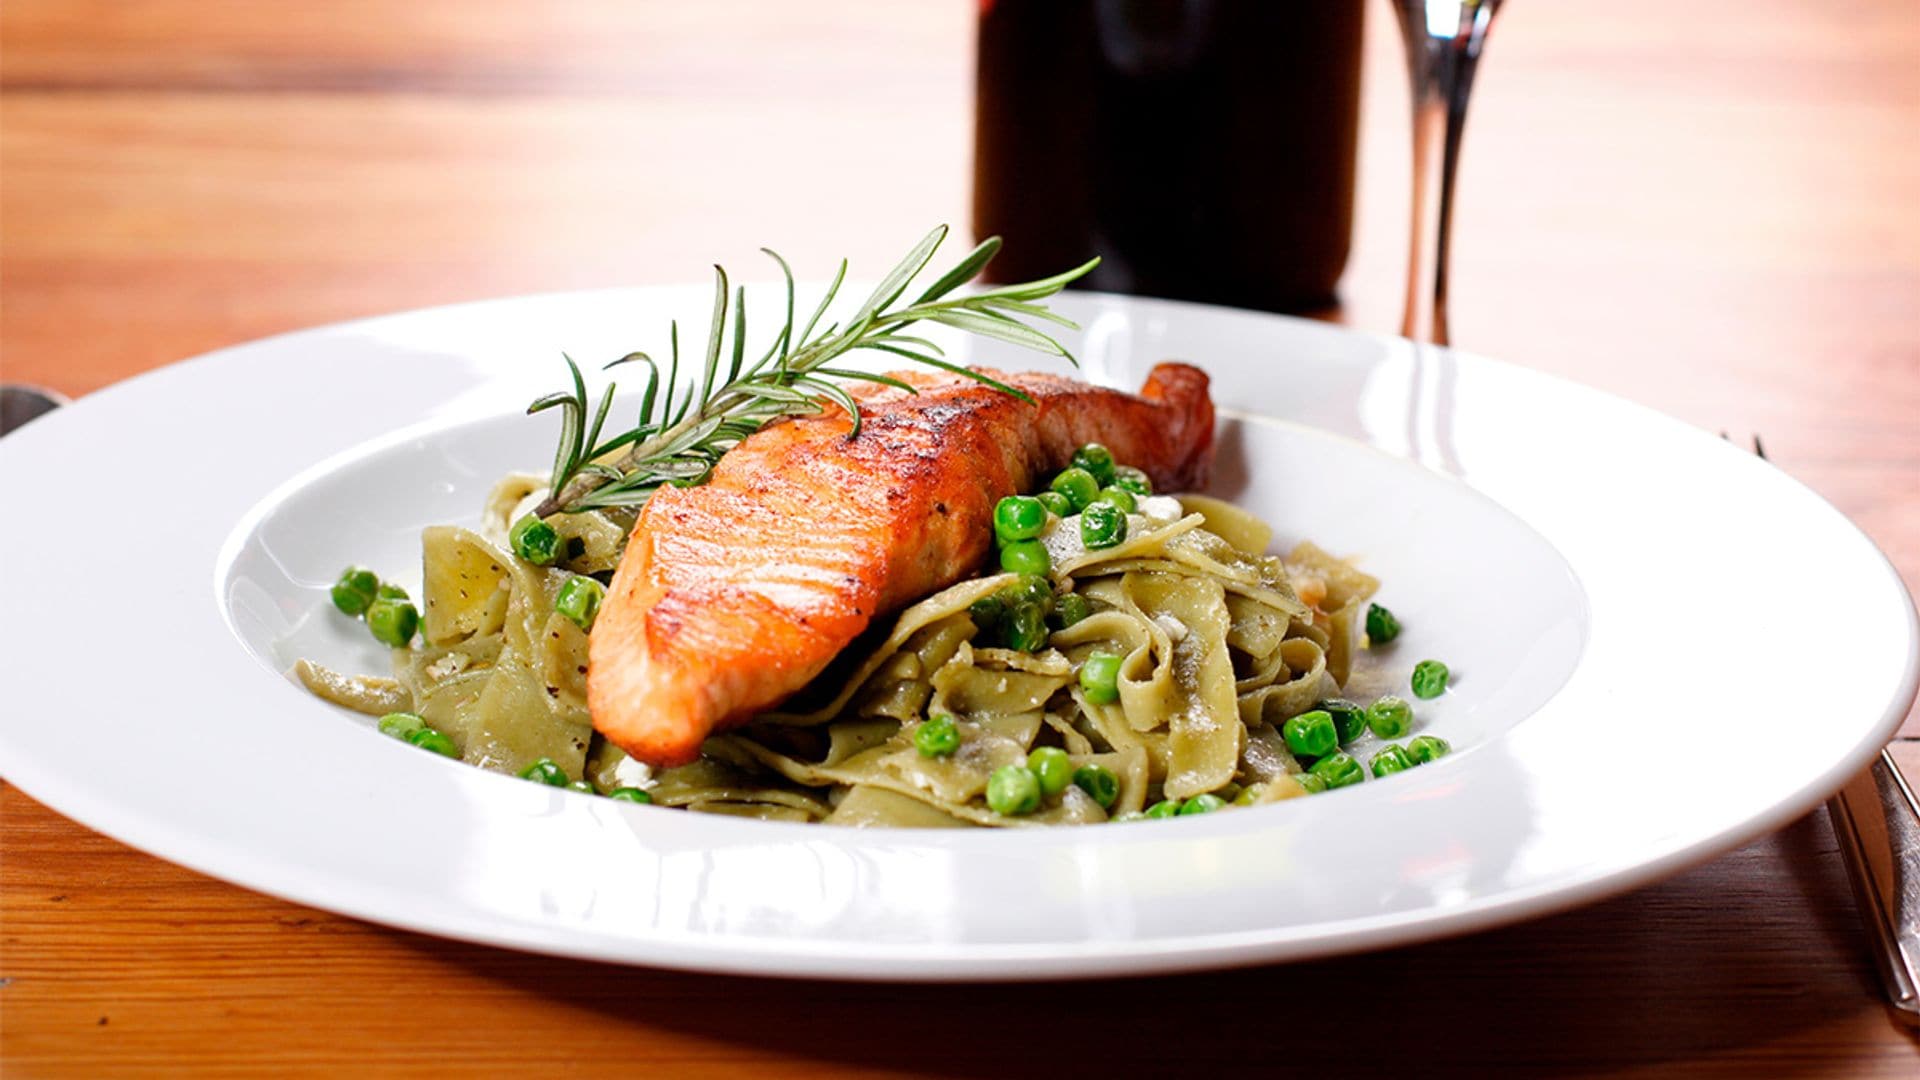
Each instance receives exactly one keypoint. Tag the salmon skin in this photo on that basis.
(733, 595)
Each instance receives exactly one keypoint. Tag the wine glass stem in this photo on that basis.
(1443, 39)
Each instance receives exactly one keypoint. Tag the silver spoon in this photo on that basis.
(20, 403)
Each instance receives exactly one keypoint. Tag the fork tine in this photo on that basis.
(1759, 451)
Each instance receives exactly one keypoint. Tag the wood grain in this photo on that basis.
(1706, 207)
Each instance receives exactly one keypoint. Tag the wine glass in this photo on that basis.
(1444, 39)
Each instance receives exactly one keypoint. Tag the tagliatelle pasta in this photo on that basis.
(1218, 643)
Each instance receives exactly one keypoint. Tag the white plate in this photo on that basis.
(1663, 648)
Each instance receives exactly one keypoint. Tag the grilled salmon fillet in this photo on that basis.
(734, 594)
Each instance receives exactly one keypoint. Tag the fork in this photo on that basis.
(1882, 853)
(1877, 821)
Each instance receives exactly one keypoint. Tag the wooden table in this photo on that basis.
(1709, 207)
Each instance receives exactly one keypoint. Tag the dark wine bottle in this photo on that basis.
(1204, 149)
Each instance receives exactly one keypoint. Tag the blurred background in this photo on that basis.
(1680, 202)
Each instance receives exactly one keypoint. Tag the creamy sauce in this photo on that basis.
(1160, 509)
(629, 772)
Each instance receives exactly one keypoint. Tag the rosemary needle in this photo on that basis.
(682, 431)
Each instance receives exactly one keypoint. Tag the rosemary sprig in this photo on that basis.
(681, 432)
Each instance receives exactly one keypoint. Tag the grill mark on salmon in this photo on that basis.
(733, 595)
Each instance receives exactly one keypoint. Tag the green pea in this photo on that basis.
(428, 739)
(1391, 759)
(1348, 718)
(938, 737)
(1013, 790)
(390, 591)
(1133, 481)
(1072, 608)
(1425, 748)
(579, 600)
(1202, 804)
(355, 590)
(534, 541)
(989, 614)
(1390, 717)
(1311, 733)
(1131, 815)
(1033, 589)
(401, 724)
(1057, 504)
(1052, 766)
(1102, 525)
(1078, 485)
(1025, 557)
(1313, 784)
(630, 794)
(544, 771)
(1026, 628)
(393, 622)
(1100, 677)
(1018, 517)
(1118, 497)
(1165, 808)
(1249, 795)
(1098, 782)
(1429, 679)
(1338, 769)
(1097, 460)
(1382, 627)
